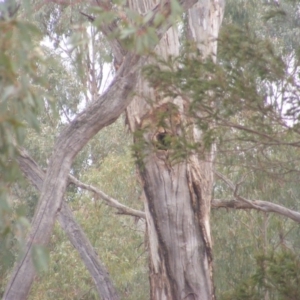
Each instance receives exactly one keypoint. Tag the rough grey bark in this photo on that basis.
(81, 243)
(73, 138)
(177, 196)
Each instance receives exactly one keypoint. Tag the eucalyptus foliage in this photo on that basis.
(22, 98)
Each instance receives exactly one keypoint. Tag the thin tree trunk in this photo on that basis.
(79, 240)
(99, 114)
(177, 197)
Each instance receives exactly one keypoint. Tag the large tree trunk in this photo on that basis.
(177, 196)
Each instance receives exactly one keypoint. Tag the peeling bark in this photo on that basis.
(177, 196)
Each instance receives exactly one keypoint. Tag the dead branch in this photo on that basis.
(122, 209)
(235, 188)
(240, 202)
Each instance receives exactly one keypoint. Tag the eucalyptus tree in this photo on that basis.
(175, 116)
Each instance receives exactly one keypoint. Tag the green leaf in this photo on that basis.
(104, 17)
(148, 17)
(40, 258)
(27, 28)
(8, 92)
(133, 15)
(158, 19)
(20, 135)
(127, 32)
(4, 205)
(176, 8)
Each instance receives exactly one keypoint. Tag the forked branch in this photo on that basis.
(76, 235)
(240, 202)
(36, 176)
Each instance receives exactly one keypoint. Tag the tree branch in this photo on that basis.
(243, 203)
(107, 29)
(234, 188)
(76, 235)
(36, 175)
(260, 205)
(122, 209)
